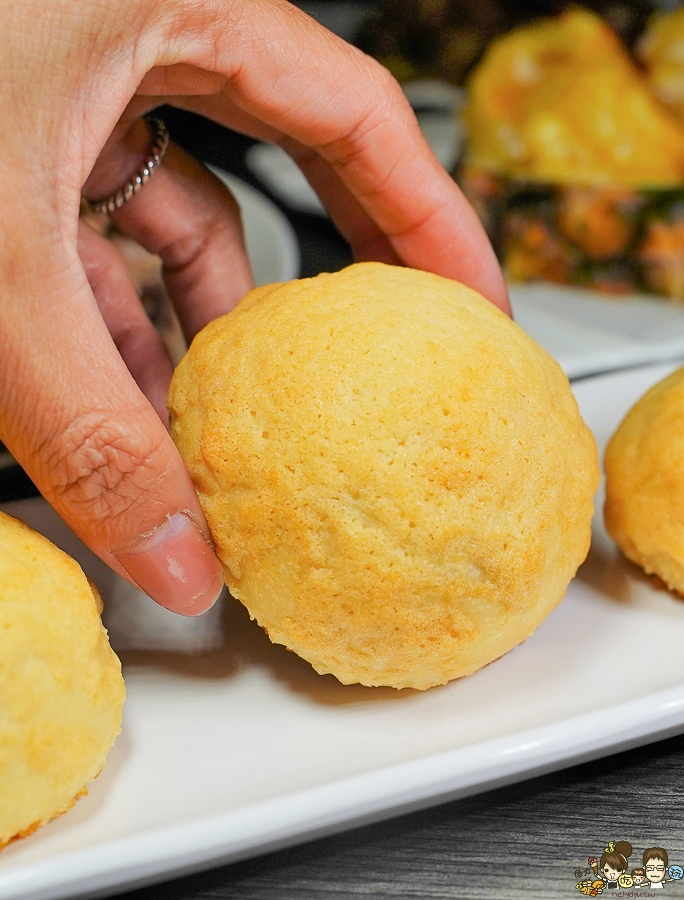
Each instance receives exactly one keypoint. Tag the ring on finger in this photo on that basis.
(159, 143)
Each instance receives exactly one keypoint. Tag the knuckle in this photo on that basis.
(386, 83)
(101, 467)
(383, 101)
(101, 261)
(185, 250)
(220, 228)
(386, 95)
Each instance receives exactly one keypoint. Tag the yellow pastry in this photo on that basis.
(396, 476)
(644, 465)
(662, 51)
(61, 690)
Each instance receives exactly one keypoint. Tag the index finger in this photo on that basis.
(284, 70)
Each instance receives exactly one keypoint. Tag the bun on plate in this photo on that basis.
(397, 478)
(644, 465)
(61, 690)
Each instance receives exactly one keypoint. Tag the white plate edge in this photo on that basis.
(165, 853)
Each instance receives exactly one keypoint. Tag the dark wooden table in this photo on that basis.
(522, 841)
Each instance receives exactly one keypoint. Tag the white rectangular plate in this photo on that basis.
(590, 332)
(245, 748)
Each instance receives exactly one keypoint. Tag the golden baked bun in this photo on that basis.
(61, 690)
(396, 477)
(644, 465)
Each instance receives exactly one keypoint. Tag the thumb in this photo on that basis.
(77, 422)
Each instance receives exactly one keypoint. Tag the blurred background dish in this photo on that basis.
(661, 50)
(445, 38)
(573, 163)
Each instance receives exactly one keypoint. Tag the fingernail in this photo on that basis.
(176, 566)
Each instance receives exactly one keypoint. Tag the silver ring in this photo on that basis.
(160, 141)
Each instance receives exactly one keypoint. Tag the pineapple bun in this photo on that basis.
(61, 689)
(644, 466)
(396, 477)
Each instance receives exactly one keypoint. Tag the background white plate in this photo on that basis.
(588, 332)
(246, 748)
(272, 245)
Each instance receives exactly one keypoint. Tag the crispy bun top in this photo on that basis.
(396, 476)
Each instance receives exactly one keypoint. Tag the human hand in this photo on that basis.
(83, 375)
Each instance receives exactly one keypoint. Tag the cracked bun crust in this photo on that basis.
(644, 465)
(61, 690)
(396, 477)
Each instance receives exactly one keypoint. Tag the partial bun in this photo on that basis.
(644, 465)
(61, 690)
